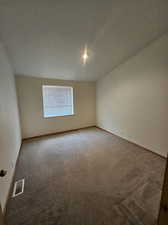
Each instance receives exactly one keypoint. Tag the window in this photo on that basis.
(57, 101)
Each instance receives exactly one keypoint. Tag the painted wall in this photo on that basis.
(10, 137)
(132, 101)
(31, 108)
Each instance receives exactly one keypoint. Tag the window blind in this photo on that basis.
(57, 101)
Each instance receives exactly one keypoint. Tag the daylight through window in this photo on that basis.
(57, 101)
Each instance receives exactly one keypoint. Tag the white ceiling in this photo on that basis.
(45, 38)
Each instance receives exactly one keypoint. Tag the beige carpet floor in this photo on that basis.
(86, 177)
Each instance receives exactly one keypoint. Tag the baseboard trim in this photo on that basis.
(12, 182)
(146, 149)
(56, 133)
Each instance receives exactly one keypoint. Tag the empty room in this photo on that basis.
(83, 112)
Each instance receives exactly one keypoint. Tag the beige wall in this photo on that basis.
(10, 138)
(132, 101)
(31, 109)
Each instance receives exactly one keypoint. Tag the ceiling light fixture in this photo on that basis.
(85, 55)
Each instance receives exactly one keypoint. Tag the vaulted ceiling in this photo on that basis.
(46, 38)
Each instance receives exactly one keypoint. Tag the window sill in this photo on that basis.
(48, 117)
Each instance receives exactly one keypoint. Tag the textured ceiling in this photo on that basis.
(45, 38)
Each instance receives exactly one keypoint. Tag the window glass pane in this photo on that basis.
(57, 101)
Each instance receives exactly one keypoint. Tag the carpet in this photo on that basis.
(86, 177)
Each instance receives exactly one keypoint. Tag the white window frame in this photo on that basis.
(59, 86)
